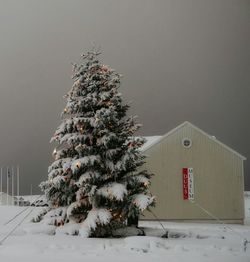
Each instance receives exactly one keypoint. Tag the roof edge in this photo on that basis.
(201, 131)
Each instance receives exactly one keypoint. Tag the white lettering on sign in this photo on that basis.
(190, 186)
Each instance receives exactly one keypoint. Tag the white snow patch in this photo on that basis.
(70, 228)
(150, 140)
(95, 216)
(87, 176)
(113, 190)
(142, 201)
(84, 161)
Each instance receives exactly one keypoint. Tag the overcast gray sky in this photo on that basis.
(181, 60)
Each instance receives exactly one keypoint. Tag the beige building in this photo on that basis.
(196, 177)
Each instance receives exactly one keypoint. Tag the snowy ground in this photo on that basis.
(186, 242)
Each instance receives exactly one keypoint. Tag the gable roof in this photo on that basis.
(160, 138)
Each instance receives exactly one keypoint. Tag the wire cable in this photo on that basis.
(18, 214)
(245, 240)
(9, 234)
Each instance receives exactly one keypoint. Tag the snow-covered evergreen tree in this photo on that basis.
(94, 180)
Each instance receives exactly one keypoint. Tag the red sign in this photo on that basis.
(188, 183)
(185, 183)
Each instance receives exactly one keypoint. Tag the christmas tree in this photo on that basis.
(94, 181)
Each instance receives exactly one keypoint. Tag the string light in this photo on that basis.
(131, 144)
(108, 103)
(115, 214)
(104, 68)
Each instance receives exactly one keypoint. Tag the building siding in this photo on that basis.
(218, 178)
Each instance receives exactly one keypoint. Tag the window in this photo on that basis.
(186, 142)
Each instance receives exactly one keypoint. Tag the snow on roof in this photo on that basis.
(150, 140)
